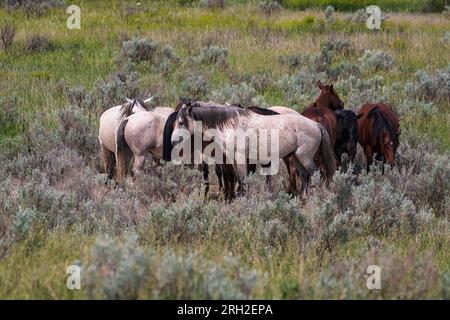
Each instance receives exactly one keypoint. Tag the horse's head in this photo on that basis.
(328, 98)
(390, 145)
(183, 125)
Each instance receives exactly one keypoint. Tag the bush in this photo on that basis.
(293, 61)
(213, 3)
(114, 89)
(138, 50)
(361, 90)
(242, 94)
(446, 37)
(344, 71)
(433, 6)
(195, 86)
(7, 33)
(346, 279)
(213, 55)
(34, 7)
(298, 89)
(430, 87)
(377, 60)
(40, 43)
(76, 132)
(10, 118)
(269, 7)
(330, 17)
(126, 271)
(342, 47)
(77, 96)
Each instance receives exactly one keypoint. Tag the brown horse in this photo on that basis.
(327, 98)
(378, 132)
(321, 111)
(325, 117)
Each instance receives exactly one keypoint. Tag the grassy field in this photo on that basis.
(157, 237)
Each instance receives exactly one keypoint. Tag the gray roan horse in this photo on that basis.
(109, 123)
(298, 136)
(137, 135)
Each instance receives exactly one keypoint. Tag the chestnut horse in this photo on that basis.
(321, 111)
(327, 98)
(378, 132)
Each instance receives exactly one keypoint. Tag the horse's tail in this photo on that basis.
(122, 151)
(167, 136)
(326, 153)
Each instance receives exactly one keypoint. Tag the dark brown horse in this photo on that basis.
(378, 132)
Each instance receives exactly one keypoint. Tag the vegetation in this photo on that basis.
(156, 237)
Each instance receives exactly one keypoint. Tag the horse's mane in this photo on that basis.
(127, 108)
(263, 111)
(216, 118)
(381, 122)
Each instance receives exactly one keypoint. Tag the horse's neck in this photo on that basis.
(313, 105)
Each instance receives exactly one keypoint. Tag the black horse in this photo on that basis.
(346, 134)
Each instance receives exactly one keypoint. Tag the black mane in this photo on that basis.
(263, 111)
(214, 117)
(167, 135)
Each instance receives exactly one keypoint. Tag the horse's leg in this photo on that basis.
(205, 171)
(138, 165)
(251, 167)
(368, 152)
(226, 181)
(240, 171)
(292, 186)
(105, 155)
(219, 172)
(233, 179)
(305, 164)
(304, 175)
(268, 177)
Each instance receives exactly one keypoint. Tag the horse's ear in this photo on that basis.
(319, 84)
(359, 116)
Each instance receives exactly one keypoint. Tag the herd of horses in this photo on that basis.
(315, 139)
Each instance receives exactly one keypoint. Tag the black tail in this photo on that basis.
(167, 136)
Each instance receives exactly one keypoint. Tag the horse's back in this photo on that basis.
(325, 117)
(109, 121)
(367, 108)
(283, 110)
(166, 111)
